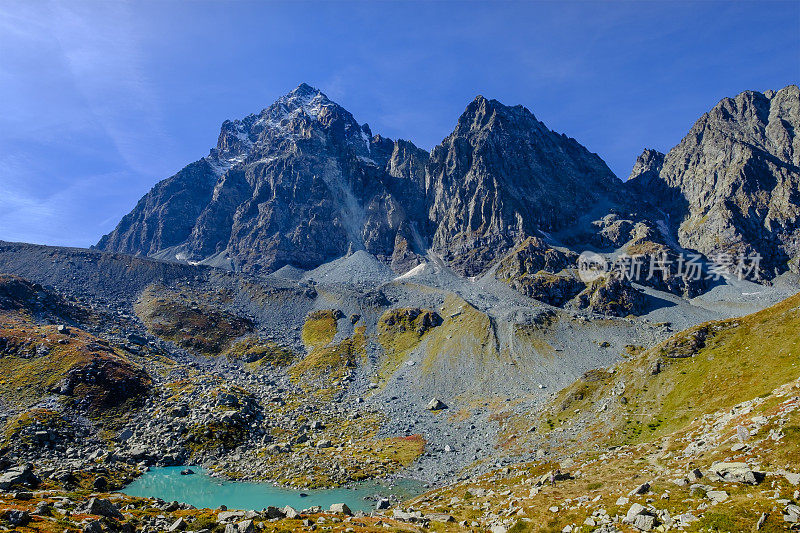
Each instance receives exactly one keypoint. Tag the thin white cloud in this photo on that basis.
(100, 43)
(32, 218)
(73, 81)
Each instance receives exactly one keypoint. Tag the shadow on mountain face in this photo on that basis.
(652, 303)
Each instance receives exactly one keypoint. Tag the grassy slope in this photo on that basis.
(399, 332)
(741, 358)
(174, 316)
(257, 352)
(27, 378)
(326, 363)
(465, 333)
(746, 369)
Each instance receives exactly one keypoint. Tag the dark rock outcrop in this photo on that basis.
(535, 269)
(644, 175)
(611, 295)
(648, 259)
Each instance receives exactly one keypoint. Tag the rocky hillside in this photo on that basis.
(39, 358)
(653, 443)
(732, 185)
(650, 443)
(503, 176)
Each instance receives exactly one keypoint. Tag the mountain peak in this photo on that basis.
(486, 113)
(646, 167)
(481, 102)
(304, 97)
(498, 179)
(305, 88)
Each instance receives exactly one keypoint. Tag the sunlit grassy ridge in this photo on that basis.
(706, 368)
(319, 328)
(464, 331)
(326, 363)
(399, 332)
(256, 352)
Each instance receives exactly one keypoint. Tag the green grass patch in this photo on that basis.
(320, 328)
(399, 332)
(258, 352)
(326, 364)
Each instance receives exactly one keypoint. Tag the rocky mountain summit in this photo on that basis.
(732, 185)
(302, 183)
(503, 176)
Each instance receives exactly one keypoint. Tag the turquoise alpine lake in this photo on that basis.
(204, 491)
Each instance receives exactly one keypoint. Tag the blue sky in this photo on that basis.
(99, 101)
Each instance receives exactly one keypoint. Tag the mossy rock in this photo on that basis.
(320, 328)
(325, 363)
(260, 352)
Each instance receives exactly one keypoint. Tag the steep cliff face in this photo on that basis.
(165, 216)
(501, 177)
(302, 183)
(295, 184)
(644, 179)
(732, 185)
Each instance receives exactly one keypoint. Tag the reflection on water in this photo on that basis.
(204, 491)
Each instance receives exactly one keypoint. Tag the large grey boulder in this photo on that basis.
(640, 517)
(246, 526)
(436, 405)
(644, 522)
(102, 507)
(179, 525)
(18, 476)
(735, 473)
(341, 508)
(290, 512)
(717, 496)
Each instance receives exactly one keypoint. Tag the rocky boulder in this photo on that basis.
(611, 295)
(102, 507)
(18, 476)
(533, 268)
(734, 473)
